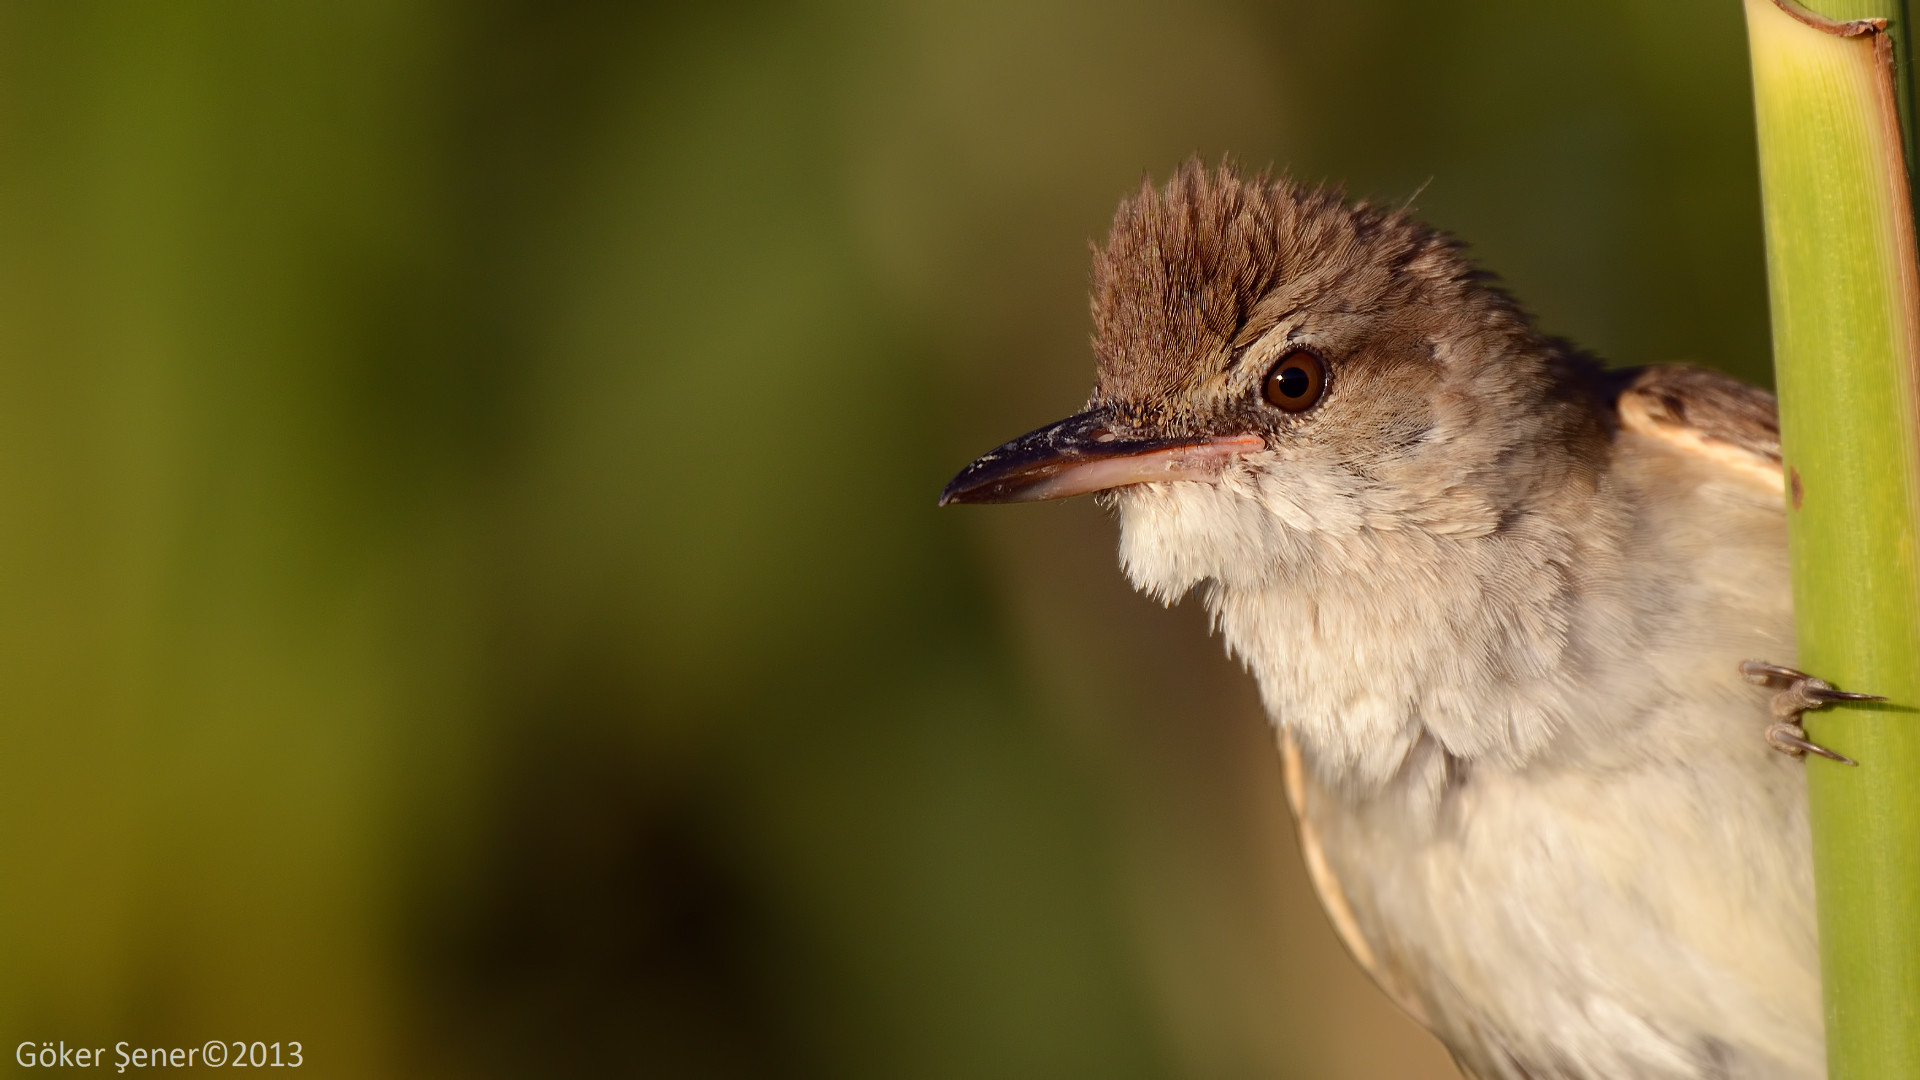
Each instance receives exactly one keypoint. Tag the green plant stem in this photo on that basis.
(1846, 300)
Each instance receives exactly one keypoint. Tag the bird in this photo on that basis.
(1514, 616)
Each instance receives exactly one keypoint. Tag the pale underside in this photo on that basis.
(1621, 889)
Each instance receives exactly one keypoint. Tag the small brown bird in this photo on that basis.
(1501, 605)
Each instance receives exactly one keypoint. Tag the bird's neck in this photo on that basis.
(1393, 641)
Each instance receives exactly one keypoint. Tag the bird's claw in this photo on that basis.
(1801, 692)
(1791, 739)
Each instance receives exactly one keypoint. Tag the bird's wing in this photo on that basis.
(1704, 413)
(1303, 790)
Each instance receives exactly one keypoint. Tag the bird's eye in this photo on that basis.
(1296, 382)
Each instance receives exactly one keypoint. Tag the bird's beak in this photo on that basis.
(1087, 453)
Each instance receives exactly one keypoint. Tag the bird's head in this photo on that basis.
(1278, 371)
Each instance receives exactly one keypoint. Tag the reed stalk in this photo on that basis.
(1845, 294)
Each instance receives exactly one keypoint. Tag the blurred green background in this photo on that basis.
(471, 597)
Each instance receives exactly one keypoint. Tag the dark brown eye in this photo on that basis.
(1296, 382)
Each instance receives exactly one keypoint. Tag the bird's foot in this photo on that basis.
(1802, 692)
